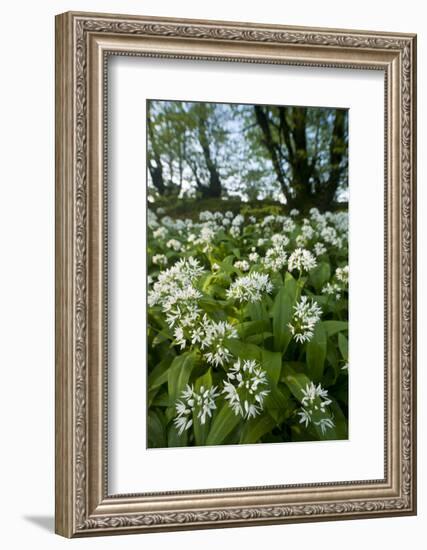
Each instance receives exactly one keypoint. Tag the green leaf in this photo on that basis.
(296, 382)
(332, 327)
(222, 425)
(343, 346)
(243, 349)
(282, 313)
(156, 430)
(256, 311)
(316, 353)
(201, 430)
(227, 264)
(253, 327)
(179, 374)
(159, 375)
(333, 359)
(271, 362)
(159, 338)
(259, 338)
(276, 403)
(320, 275)
(340, 420)
(176, 440)
(256, 428)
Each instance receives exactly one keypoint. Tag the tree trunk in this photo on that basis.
(271, 146)
(154, 162)
(328, 191)
(213, 190)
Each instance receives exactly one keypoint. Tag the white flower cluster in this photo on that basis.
(250, 288)
(211, 336)
(314, 402)
(275, 258)
(302, 260)
(175, 293)
(174, 244)
(243, 389)
(341, 273)
(253, 257)
(320, 229)
(319, 249)
(243, 265)
(160, 233)
(332, 289)
(159, 259)
(337, 287)
(288, 225)
(194, 403)
(304, 319)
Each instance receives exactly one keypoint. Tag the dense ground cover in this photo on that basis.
(247, 327)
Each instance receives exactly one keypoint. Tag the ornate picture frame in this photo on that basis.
(84, 42)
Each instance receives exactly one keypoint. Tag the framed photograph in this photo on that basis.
(235, 274)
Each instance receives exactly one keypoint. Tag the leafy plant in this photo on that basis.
(247, 327)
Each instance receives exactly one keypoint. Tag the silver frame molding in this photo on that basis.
(83, 43)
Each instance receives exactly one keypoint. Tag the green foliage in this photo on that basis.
(200, 150)
(189, 370)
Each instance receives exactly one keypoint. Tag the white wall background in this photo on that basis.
(27, 273)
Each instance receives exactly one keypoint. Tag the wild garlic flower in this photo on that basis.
(302, 260)
(174, 244)
(268, 220)
(279, 240)
(159, 259)
(250, 288)
(175, 293)
(205, 216)
(243, 388)
(294, 212)
(314, 213)
(341, 273)
(243, 265)
(306, 230)
(152, 219)
(180, 339)
(304, 319)
(301, 241)
(238, 220)
(275, 258)
(324, 424)
(194, 405)
(314, 402)
(332, 289)
(211, 339)
(235, 231)
(330, 236)
(207, 235)
(319, 249)
(288, 225)
(160, 233)
(253, 257)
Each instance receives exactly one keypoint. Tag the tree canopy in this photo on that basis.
(294, 155)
